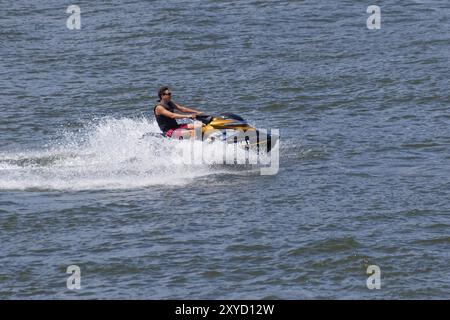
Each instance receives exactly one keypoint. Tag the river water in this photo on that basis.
(364, 150)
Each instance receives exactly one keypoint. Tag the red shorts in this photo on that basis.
(176, 132)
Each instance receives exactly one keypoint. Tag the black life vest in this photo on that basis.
(165, 123)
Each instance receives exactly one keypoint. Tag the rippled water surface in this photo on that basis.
(364, 174)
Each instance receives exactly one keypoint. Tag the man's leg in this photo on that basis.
(193, 126)
(186, 130)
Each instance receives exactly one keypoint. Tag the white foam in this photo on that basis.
(108, 154)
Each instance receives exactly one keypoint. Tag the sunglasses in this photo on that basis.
(167, 94)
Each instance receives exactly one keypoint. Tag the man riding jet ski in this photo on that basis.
(226, 127)
(165, 115)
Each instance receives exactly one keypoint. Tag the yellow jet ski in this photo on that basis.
(231, 128)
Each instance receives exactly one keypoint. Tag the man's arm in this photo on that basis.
(186, 110)
(164, 112)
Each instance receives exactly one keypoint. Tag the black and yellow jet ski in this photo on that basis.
(231, 128)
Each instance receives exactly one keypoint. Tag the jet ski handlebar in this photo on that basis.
(206, 119)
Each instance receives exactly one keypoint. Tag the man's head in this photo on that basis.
(164, 94)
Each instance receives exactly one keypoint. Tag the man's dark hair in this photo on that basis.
(161, 91)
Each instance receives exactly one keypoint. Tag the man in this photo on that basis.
(165, 115)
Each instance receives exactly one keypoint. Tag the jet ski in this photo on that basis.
(231, 128)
